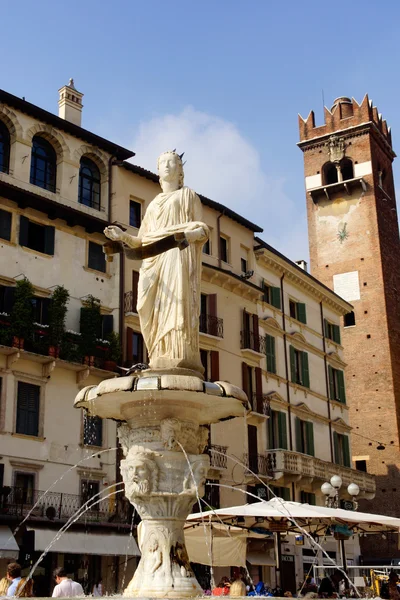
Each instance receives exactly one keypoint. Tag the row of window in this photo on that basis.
(304, 436)
(41, 238)
(43, 172)
(261, 492)
(28, 416)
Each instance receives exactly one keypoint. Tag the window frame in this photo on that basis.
(332, 331)
(277, 430)
(224, 256)
(99, 427)
(39, 433)
(341, 445)
(30, 474)
(298, 311)
(270, 352)
(84, 496)
(91, 244)
(50, 164)
(271, 294)
(5, 148)
(337, 386)
(139, 207)
(299, 367)
(93, 180)
(9, 214)
(305, 436)
(47, 246)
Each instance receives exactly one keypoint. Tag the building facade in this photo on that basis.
(354, 250)
(55, 185)
(266, 325)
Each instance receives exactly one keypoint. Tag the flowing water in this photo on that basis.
(70, 522)
(50, 488)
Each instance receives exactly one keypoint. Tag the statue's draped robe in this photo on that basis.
(169, 284)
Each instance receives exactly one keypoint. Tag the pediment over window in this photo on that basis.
(295, 335)
(275, 396)
(272, 323)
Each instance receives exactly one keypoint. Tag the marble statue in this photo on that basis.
(169, 282)
(164, 412)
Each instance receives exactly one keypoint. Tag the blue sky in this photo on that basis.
(222, 80)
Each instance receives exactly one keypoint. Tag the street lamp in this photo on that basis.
(331, 492)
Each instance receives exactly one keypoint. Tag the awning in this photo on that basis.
(104, 544)
(261, 558)
(214, 547)
(8, 546)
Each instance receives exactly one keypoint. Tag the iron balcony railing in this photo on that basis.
(259, 464)
(211, 325)
(252, 341)
(18, 502)
(261, 404)
(130, 303)
(218, 457)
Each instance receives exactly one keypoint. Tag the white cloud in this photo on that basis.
(224, 166)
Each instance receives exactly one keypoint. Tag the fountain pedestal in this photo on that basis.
(164, 470)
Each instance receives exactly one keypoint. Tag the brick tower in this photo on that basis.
(355, 250)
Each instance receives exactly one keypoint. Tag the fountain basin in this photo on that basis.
(146, 399)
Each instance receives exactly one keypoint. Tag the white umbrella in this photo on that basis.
(282, 514)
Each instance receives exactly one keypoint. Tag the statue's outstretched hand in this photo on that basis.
(195, 235)
(114, 233)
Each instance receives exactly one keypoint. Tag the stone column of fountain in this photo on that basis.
(164, 409)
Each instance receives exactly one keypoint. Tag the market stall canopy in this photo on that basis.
(278, 514)
(71, 542)
(8, 546)
(216, 545)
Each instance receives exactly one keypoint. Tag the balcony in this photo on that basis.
(130, 303)
(258, 464)
(329, 190)
(252, 341)
(54, 506)
(218, 457)
(211, 325)
(261, 404)
(294, 466)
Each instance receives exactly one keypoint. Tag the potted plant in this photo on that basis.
(22, 313)
(114, 351)
(57, 314)
(90, 328)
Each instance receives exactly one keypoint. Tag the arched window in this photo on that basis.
(4, 148)
(43, 164)
(89, 184)
(329, 172)
(346, 167)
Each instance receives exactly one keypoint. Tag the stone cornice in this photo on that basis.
(231, 282)
(303, 280)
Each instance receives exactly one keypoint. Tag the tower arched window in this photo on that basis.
(89, 184)
(346, 167)
(329, 173)
(4, 148)
(43, 164)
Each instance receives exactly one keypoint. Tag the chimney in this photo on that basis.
(70, 104)
(302, 264)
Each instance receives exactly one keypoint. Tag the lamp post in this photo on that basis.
(332, 500)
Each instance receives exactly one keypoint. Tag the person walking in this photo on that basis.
(66, 586)
(14, 577)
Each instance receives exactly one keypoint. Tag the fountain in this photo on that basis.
(165, 408)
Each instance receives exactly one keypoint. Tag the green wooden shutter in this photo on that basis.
(299, 444)
(28, 409)
(107, 325)
(265, 288)
(310, 439)
(292, 364)
(49, 234)
(331, 384)
(311, 499)
(336, 447)
(270, 352)
(285, 493)
(341, 390)
(301, 312)
(275, 293)
(336, 334)
(270, 426)
(346, 451)
(23, 231)
(282, 430)
(305, 370)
